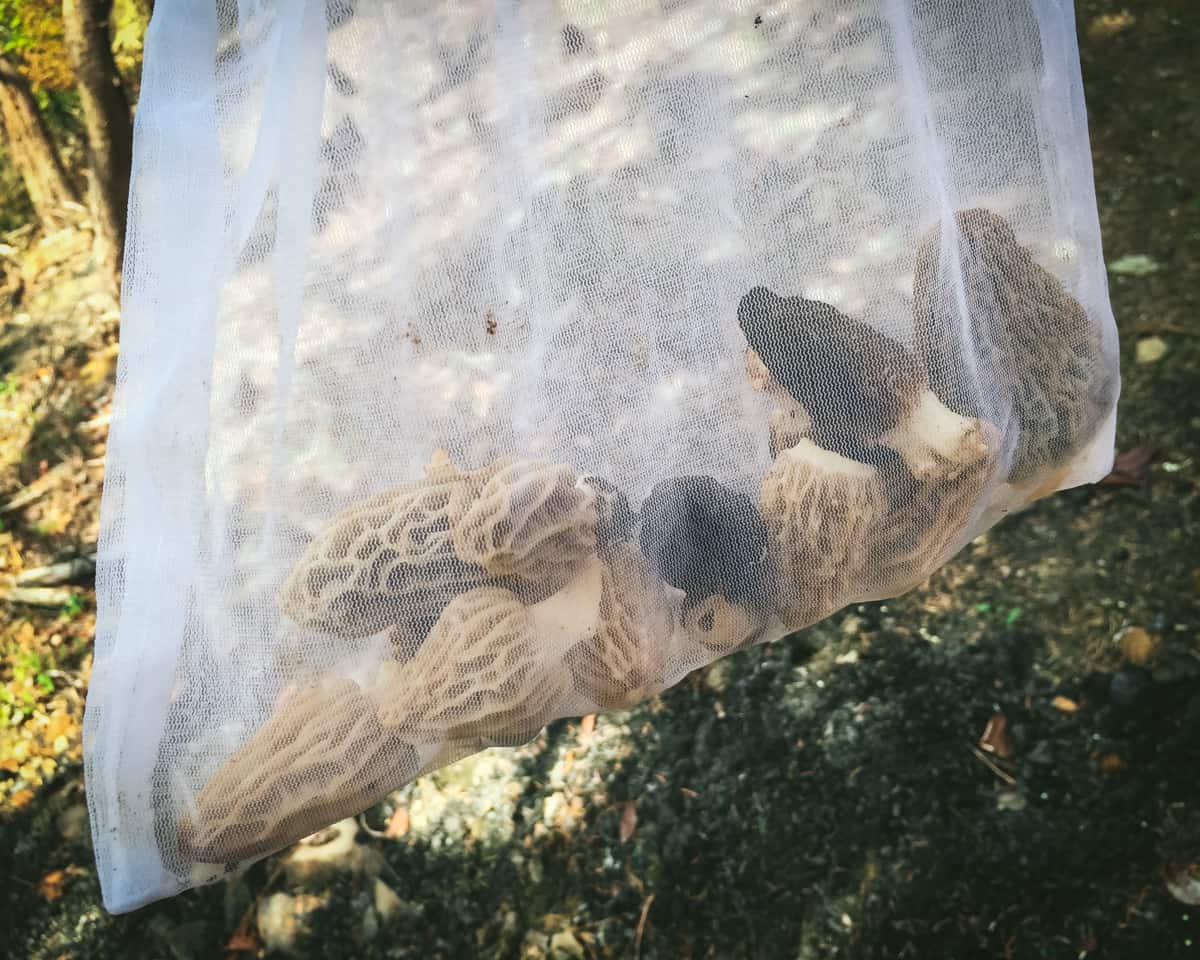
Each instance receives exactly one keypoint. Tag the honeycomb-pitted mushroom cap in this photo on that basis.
(387, 560)
(487, 673)
(622, 663)
(1041, 370)
(321, 755)
(821, 509)
(615, 519)
(928, 517)
(530, 520)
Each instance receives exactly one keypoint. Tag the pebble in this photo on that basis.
(1012, 800)
(1128, 685)
(564, 946)
(387, 902)
(279, 922)
(1184, 885)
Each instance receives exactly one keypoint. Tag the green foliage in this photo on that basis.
(31, 36)
(1005, 615)
(30, 683)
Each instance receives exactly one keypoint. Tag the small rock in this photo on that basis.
(1042, 754)
(1184, 884)
(535, 946)
(1128, 685)
(387, 902)
(564, 946)
(278, 922)
(1012, 800)
(1151, 349)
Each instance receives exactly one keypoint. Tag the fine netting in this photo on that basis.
(487, 364)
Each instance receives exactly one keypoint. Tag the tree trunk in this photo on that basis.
(31, 147)
(106, 119)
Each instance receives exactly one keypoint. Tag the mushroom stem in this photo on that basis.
(933, 434)
(571, 615)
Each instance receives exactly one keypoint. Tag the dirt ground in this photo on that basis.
(826, 796)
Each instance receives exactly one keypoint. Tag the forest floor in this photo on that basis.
(830, 796)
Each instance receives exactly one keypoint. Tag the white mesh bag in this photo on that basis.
(487, 364)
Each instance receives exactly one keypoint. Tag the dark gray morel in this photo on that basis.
(858, 387)
(711, 543)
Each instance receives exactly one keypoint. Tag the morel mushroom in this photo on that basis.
(530, 520)
(707, 540)
(821, 509)
(614, 518)
(491, 670)
(858, 386)
(1040, 366)
(322, 755)
(385, 561)
(927, 517)
(399, 558)
(622, 663)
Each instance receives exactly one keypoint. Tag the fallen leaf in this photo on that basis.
(1134, 265)
(1129, 467)
(586, 726)
(397, 824)
(242, 943)
(1109, 24)
(51, 887)
(995, 738)
(20, 798)
(1111, 763)
(628, 822)
(1150, 350)
(101, 366)
(1065, 704)
(1137, 645)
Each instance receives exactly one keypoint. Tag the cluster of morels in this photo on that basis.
(517, 591)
